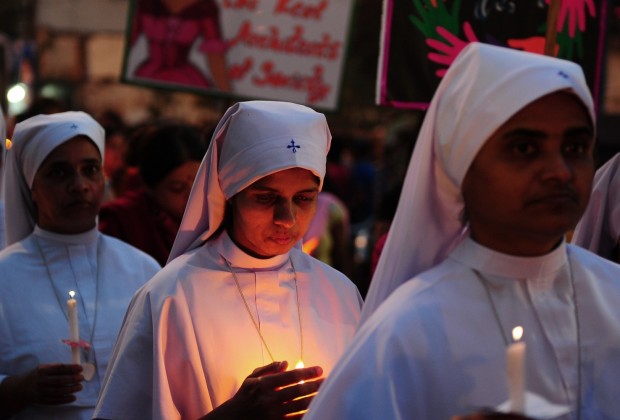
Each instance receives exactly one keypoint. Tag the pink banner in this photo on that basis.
(265, 49)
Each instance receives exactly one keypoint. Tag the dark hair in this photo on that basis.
(41, 105)
(165, 147)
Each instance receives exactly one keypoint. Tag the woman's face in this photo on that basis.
(531, 181)
(172, 192)
(68, 187)
(270, 216)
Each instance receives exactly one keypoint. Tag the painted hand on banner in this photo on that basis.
(575, 12)
(448, 50)
(534, 44)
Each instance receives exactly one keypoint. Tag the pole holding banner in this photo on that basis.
(552, 27)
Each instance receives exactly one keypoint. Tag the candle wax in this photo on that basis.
(74, 333)
(515, 369)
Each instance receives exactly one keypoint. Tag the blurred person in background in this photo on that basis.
(168, 156)
(399, 143)
(115, 155)
(328, 237)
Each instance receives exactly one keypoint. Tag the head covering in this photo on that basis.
(33, 140)
(252, 140)
(483, 88)
(599, 227)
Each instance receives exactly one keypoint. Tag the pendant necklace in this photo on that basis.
(300, 363)
(89, 367)
(578, 330)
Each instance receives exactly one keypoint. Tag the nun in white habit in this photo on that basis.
(599, 228)
(502, 168)
(219, 330)
(53, 187)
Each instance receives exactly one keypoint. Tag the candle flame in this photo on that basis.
(300, 365)
(71, 294)
(517, 333)
(8, 144)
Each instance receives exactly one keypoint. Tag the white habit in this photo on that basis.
(599, 227)
(103, 271)
(433, 339)
(188, 342)
(429, 352)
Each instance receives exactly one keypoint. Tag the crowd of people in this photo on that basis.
(212, 274)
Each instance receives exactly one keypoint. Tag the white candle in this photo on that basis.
(515, 369)
(74, 331)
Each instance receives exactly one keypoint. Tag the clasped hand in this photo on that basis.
(272, 392)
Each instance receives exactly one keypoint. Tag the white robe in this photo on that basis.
(188, 341)
(2, 228)
(33, 307)
(434, 348)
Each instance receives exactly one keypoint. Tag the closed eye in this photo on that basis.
(266, 198)
(305, 198)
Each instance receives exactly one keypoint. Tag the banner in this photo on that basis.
(291, 50)
(421, 38)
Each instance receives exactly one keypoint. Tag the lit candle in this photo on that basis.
(74, 332)
(515, 369)
(300, 365)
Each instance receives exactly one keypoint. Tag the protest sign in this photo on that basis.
(420, 38)
(290, 50)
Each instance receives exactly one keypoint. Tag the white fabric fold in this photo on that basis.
(599, 227)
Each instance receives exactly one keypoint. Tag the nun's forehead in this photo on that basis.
(70, 142)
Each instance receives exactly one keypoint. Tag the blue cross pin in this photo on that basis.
(562, 74)
(73, 126)
(293, 146)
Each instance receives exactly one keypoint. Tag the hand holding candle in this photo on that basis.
(74, 332)
(515, 369)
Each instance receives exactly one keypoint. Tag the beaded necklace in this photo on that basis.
(255, 323)
(483, 281)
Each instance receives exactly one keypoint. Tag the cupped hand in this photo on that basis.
(272, 392)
